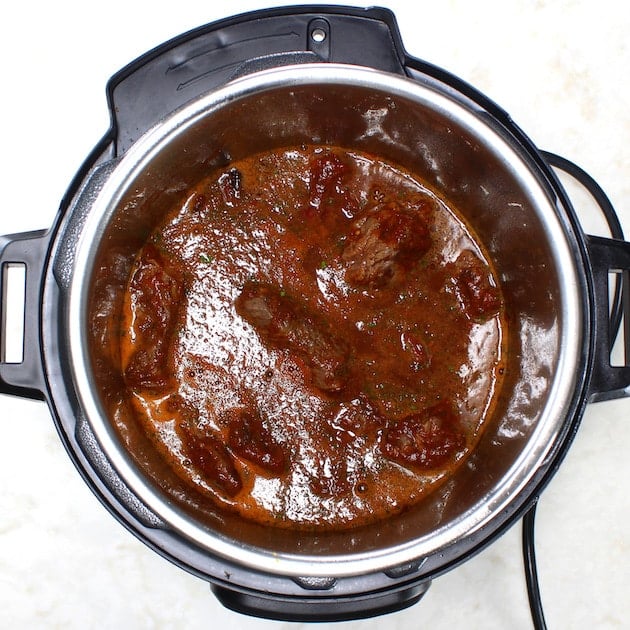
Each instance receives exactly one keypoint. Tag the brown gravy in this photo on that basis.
(313, 339)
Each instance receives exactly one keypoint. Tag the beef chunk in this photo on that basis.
(479, 299)
(206, 451)
(156, 291)
(250, 439)
(330, 201)
(326, 172)
(284, 322)
(383, 243)
(424, 440)
(330, 479)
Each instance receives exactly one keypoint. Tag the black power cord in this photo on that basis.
(531, 572)
(606, 207)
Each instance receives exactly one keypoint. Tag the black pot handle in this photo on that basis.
(319, 608)
(609, 256)
(605, 256)
(28, 249)
(205, 58)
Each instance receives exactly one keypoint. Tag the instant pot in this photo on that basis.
(329, 75)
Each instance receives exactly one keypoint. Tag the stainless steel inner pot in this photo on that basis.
(469, 158)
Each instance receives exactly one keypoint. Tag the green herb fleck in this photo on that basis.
(204, 258)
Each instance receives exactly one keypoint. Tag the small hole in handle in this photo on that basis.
(620, 341)
(12, 306)
(318, 35)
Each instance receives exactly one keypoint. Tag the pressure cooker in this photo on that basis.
(333, 75)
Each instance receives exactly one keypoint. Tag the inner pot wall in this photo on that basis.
(468, 160)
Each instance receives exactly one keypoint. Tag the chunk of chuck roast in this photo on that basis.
(385, 242)
(156, 290)
(424, 440)
(476, 292)
(205, 449)
(283, 322)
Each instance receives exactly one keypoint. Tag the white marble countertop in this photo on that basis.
(560, 68)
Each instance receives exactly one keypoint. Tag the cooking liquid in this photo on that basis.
(415, 322)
